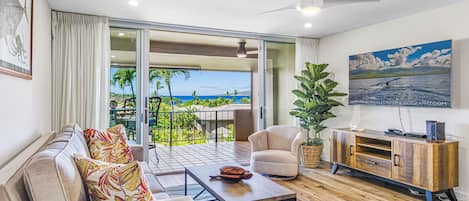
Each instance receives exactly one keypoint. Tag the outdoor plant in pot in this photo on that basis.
(313, 106)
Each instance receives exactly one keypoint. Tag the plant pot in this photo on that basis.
(312, 156)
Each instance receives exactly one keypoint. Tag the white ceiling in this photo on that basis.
(243, 15)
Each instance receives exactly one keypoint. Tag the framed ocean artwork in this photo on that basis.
(418, 75)
(16, 22)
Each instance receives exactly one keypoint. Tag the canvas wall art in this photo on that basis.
(418, 75)
(16, 37)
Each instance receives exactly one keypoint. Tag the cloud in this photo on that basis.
(366, 61)
(440, 58)
(400, 58)
(445, 51)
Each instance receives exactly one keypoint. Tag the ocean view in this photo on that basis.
(189, 98)
(422, 90)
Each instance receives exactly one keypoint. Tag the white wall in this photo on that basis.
(449, 22)
(25, 110)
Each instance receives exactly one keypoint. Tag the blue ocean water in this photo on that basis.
(189, 98)
(421, 91)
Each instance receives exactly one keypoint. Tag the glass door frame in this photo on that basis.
(263, 85)
(141, 87)
(143, 63)
(262, 66)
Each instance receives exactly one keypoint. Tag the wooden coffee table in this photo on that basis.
(256, 188)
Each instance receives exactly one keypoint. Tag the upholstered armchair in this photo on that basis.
(276, 151)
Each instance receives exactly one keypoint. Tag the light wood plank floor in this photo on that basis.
(314, 184)
(321, 185)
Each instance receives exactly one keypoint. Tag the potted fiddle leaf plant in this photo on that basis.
(315, 100)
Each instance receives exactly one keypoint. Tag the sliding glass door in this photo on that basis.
(277, 82)
(129, 67)
(147, 65)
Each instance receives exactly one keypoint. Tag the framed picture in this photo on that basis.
(418, 76)
(16, 24)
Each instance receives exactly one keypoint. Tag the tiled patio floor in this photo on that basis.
(173, 160)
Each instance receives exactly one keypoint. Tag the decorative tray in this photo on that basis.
(232, 174)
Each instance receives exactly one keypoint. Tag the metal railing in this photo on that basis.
(181, 127)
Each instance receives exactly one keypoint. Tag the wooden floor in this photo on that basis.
(320, 184)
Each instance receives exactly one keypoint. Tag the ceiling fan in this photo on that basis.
(242, 51)
(311, 7)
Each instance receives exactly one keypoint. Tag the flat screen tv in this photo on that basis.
(418, 75)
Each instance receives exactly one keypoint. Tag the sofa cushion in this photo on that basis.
(108, 146)
(74, 129)
(153, 182)
(276, 156)
(109, 181)
(51, 173)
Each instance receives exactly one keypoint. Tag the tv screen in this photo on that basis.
(418, 75)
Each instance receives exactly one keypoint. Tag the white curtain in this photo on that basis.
(307, 50)
(80, 70)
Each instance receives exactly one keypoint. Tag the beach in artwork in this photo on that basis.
(417, 75)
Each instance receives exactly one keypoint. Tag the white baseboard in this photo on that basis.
(462, 196)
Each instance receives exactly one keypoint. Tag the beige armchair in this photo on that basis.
(276, 151)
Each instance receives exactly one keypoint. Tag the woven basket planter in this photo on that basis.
(312, 156)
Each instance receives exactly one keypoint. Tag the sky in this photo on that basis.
(206, 83)
(430, 54)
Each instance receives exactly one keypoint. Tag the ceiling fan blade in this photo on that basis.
(331, 3)
(253, 52)
(290, 7)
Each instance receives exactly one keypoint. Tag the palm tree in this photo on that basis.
(119, 80)
(195, 96)
(235, 93)
(158, 86)
(123, 77)
(166, 75)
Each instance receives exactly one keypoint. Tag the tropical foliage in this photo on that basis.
(315, 100)
(177, 119)
(124, 77)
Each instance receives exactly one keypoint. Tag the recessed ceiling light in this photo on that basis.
(121, 34)
(112, 56)
(133, 3)
(308, 25)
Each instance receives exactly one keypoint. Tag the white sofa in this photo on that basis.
(51, 174)
(276, 151)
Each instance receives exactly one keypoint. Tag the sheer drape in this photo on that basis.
(80, 70)
(306, 51)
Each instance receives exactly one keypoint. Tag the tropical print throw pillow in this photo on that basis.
(116, 182)
(109, 145)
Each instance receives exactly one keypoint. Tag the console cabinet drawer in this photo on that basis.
(380, 167)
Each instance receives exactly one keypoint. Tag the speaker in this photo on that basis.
(435, 130)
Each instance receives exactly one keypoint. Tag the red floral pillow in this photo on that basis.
(109, 181)
(109, 145)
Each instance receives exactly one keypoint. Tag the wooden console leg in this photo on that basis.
(451, 195)
(430, 196)
(335, 168)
